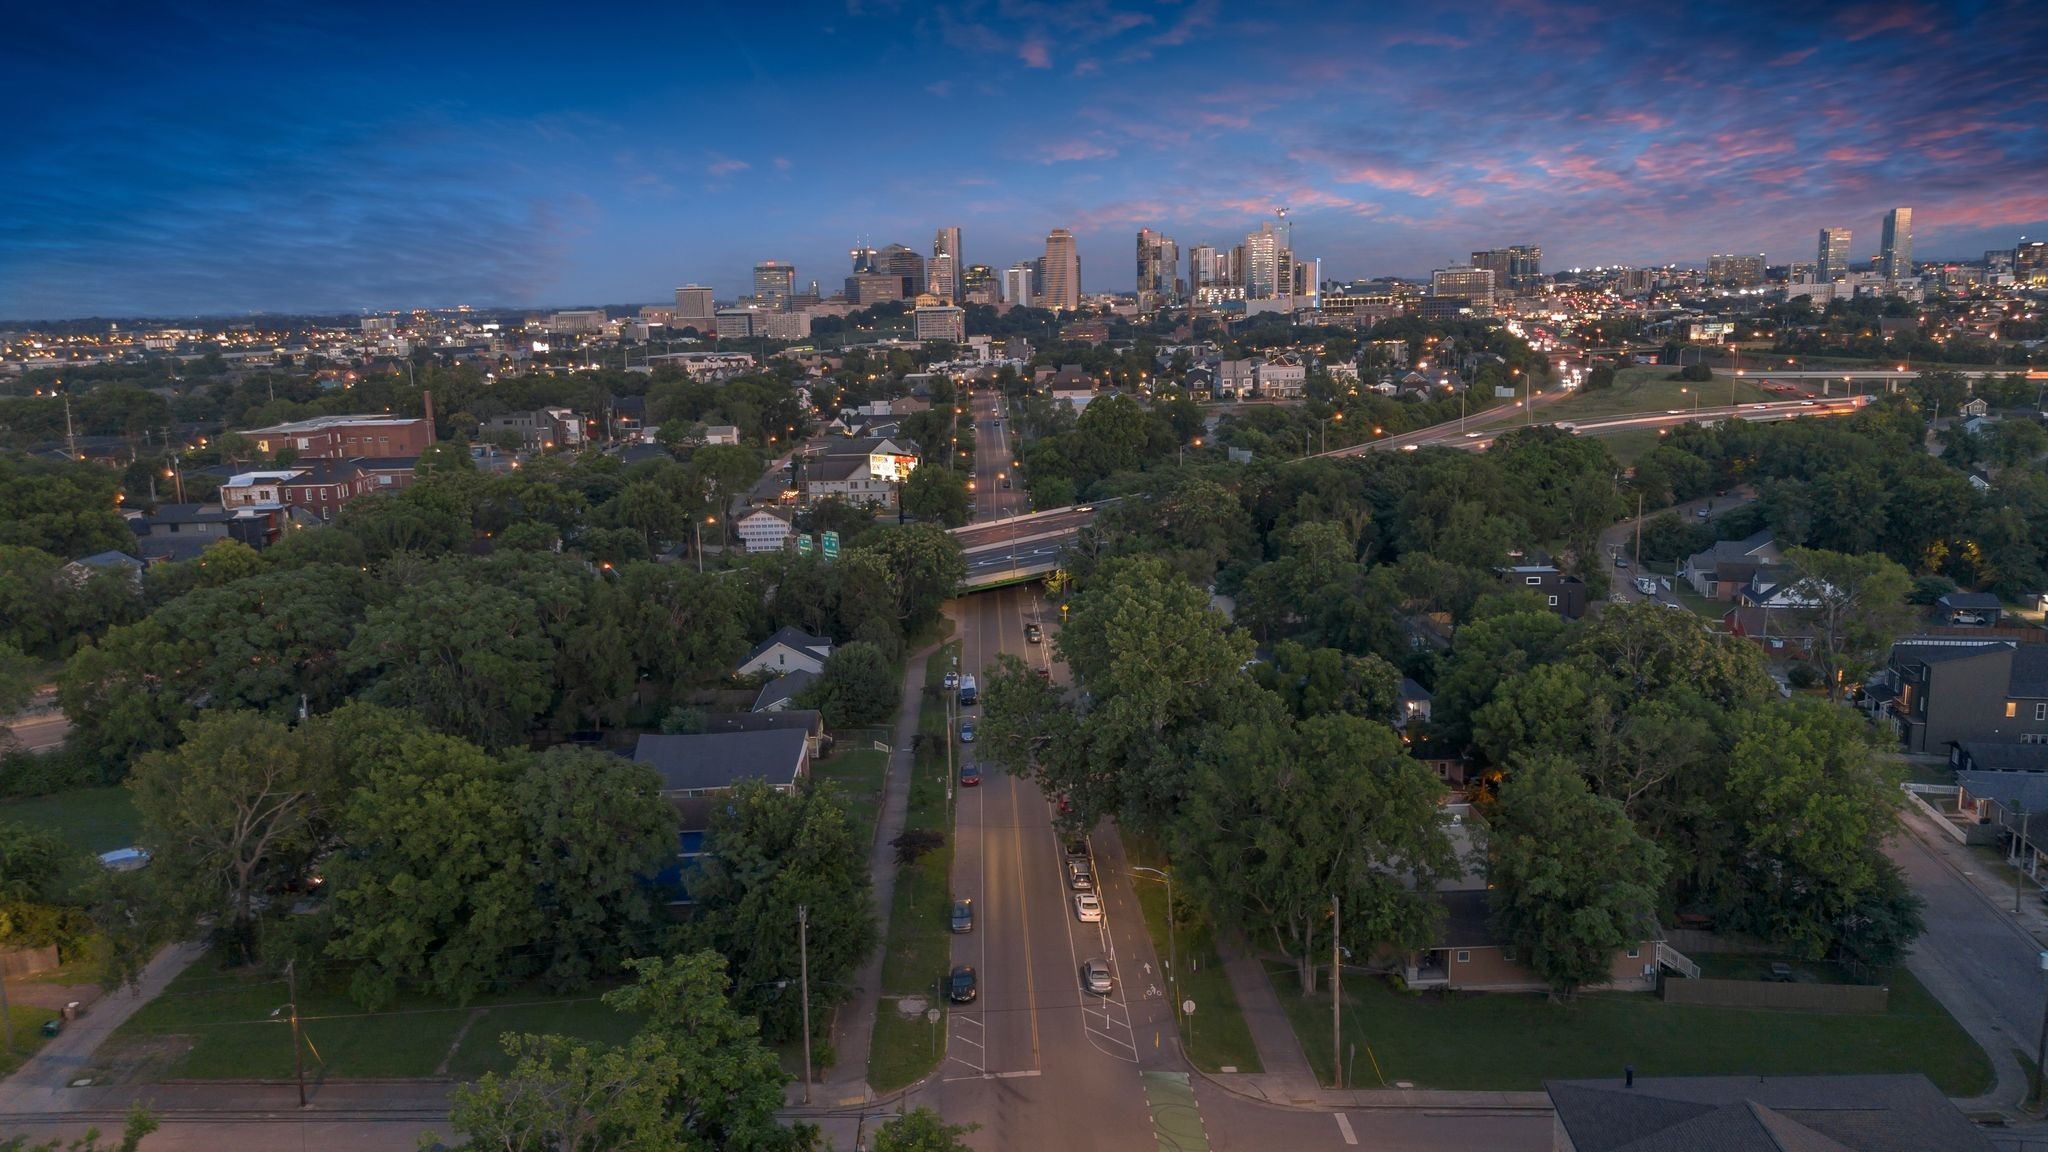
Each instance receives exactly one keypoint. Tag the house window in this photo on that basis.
(1553, 601)
(1635, 953)
(2041, 711)
(1532, 581)
(2012, 708)
(1464, 957)
(2034, 737)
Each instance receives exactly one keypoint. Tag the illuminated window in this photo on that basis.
(2012, 708)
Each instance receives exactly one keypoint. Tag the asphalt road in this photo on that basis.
(41, 733)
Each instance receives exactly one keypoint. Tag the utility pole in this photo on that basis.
(70, 434)
(803, 953)
(2019, 859)
(1336, 992)
(1639, 530)
(291, 975)
(6, 1019)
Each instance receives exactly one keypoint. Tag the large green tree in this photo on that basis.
(470, 658)
(771, 854)
(1572, 880)
(924, 566)
(694, 1077)
(1852, 605)
(939, 495)
(242, 804)
(858, 686)
(1283, 816)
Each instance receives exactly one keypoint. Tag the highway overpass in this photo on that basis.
(1018, 548)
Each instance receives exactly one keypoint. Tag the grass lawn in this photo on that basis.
(1219, 1037)
(919, 945)
(226, 1018)
(1651, 389)
(858, 773)
(1514, 1042)
(90, 819)
(27, 1027)
(1631, 444)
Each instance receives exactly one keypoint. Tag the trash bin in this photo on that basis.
(52, 1027)
(74, 1010)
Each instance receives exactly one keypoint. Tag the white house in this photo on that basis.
(787, 651)
(721, 434)
(765, 530)
(1280, 380)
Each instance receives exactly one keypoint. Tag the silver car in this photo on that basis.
(1095, 976)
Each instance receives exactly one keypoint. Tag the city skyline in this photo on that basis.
(208, 163)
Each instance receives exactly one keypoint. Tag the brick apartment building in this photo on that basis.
(346, 437)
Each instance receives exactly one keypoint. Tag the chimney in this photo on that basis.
(427, 398)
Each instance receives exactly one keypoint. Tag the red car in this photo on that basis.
(970, 775)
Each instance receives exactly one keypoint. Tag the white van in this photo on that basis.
(968, 693)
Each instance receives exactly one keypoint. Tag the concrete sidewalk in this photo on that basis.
(41, 1084)
(853, 1025)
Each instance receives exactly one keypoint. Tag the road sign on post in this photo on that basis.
(805, 543)
(831, 545)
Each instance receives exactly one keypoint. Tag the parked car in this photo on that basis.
(1095, 976)
(963, 915)
(967, 733)
(961, 986)
(1077, 849)
(970, 775)
(124, 859)
(1088, 908)
(1080, 876)
(1966, 618)
(1033, 633)
(968, 692)
(1620, 561)
(1780, 973)
(951, 681)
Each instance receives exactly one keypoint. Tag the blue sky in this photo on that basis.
(196, 158)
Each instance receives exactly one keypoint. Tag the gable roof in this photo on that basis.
(1966, 600)
(713, 760)
(784, 688)
(795, 638)
(1410, 690)
(1904, 1113)
(1729, 551)
(807, 720)
(109, 559)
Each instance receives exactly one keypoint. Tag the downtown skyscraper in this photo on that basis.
(1158, 271)
(1895, 256)
(1062, 272)
(1832, 260)
(944, 275)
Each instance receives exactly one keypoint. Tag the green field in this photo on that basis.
(26, 1028)
(919, 946)
(90, 819)
(1216, 1036)
(218, 1025)
(1651, 389)
(1506, 1041)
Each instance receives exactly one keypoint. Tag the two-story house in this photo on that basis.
(1720, 572)
(1566, 595)
(1942, 691)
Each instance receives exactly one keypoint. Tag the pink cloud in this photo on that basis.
(726, 166)
(1034, 53)
(1794, 57)
(1069, 150)
(1851, 154)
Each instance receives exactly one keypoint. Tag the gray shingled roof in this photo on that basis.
(1968, 600)
(796, 638)
(722, 759)
(784, 687)
(1903, 1113)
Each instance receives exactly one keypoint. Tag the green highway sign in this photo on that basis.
(804, 544)
(831, 545)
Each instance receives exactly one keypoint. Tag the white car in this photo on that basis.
(1471, 435)
(1088, 907)
(1761, 407)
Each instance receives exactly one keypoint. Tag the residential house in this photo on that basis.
(849, 479)
(722, 434)
(1411, 704)
(711, 763)
(786, 651)
(1764, 611)
(1722, 570)
(1940, 690)
(1877, 1113)
(766, 529)
(1281, 378)
(809, 721)
(1236, 377)
(1976, 407)
(1969, 609)
(183, 531)
(1469, 954)
(540, 429)
(1075, 398)
(86, 567)
(778, 694)
(1566, 595)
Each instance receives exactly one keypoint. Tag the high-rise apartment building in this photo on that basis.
(1263, 275)
(1202, 267)
(941, 278)
(694, 308)
(1895, 254)
(946, 245)
(978, 282)
(2030, 262)
(1062, 271)
(1833, 256)
(905, 263)
(1463, 281)
(774, 284)
(1158, 271)
(1017, 286)
(1516, 266)
(1736, 271)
